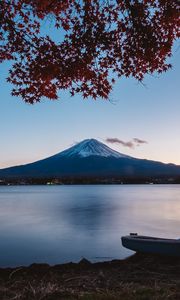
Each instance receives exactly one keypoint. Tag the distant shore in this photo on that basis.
(90, 182)
(139, 277)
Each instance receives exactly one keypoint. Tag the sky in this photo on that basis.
(149, 112)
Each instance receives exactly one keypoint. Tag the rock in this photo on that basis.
(84, 262)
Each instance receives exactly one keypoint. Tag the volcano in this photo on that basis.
(91, 159)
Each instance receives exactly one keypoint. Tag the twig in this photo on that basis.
(12, 273)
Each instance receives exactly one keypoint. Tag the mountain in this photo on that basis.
(93, 159)
(91, 147)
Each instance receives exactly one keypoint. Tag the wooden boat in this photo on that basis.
(154, 245)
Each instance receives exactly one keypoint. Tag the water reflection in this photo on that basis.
(62, 223)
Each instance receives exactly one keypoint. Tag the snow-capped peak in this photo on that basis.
(91, 147)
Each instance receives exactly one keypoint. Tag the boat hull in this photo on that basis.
(170, 247)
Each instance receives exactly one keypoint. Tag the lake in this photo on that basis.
(57, 224)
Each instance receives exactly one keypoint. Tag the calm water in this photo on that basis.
(56, 224)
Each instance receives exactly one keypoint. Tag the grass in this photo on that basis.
(140, 277)
(131, 293)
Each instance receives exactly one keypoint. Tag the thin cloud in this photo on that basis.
(139, 142)
(129, 144)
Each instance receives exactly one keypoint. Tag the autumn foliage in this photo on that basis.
(94, 39)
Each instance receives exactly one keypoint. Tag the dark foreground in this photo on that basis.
(140, 277)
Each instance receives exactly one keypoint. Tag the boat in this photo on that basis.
(153, 245)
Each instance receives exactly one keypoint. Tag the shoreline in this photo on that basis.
(163, 182)
(139, 276)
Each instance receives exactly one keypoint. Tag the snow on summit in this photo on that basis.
(91, 147)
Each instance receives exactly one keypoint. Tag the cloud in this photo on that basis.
(129, 144)
(139, 142)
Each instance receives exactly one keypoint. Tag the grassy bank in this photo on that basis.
(140, 277)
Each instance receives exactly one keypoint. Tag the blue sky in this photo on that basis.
(151, 113)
